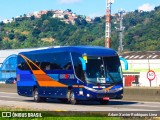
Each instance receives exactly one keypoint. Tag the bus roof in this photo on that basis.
(89, 50)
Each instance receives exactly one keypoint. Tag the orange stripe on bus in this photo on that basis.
(45, 80)
(50, 84)
(38, 72)
(78, 86)
(107, 89)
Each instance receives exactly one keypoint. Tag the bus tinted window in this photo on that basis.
(22, 64)
(78, 66)
(54, 61)
(46, 61)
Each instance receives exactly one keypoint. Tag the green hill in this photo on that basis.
(142, 31)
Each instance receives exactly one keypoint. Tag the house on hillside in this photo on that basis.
(40, 13)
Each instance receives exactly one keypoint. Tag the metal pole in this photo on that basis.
(108, 24)
(121, 29)
(149, 68)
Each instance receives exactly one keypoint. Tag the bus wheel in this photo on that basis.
(36, 95)
(71, 97)
(104, 102)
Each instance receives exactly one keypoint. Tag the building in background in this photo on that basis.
(139, 63)
(8, 62)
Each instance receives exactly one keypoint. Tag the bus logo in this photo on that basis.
(66, 76)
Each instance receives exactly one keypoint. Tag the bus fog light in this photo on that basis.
(88, 95)
(81, 92)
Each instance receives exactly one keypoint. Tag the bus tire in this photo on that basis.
(36, 96)
(71, 97)
(104, 102)
(73, 101)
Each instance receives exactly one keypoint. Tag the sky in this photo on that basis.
(91, 8)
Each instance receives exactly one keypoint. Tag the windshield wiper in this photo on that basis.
(108, 74)
(91, 82)
(111, 77)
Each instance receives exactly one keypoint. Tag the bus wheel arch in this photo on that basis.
(34, 87)
(70, 87)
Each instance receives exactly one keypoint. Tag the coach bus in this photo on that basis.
(70, 74)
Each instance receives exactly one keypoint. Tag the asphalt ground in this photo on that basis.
(16, 101)
(130, 93)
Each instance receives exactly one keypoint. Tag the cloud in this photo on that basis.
(68, 1)
(146, 7)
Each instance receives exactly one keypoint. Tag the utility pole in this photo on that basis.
(108, 23)
(121, 29)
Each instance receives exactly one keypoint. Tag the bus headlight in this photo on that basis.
(88, 95)
(118, 89)
(115, 90)
(81, 92)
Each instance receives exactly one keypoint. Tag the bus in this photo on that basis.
(70, 74)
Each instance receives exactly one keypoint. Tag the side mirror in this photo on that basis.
(83, 63)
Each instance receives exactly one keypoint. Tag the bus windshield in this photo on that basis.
(103, 70)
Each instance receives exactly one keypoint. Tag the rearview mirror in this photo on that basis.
(83, 63)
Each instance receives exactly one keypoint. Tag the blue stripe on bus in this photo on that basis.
(26, 83)
(54, 76)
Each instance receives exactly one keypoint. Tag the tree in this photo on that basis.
(49, 13)
(157, 8)
(36, 32)
(1, 23)
(11, 36)
(44, 17)
(21, 38)
(66, 16)
(32, 17)
(97, 19)
(69, 10)
(24, 15)
(0, 38)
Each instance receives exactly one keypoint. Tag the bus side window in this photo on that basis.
(68, 66)
(48, 67)
(25, 66)
(42, 66)
(78, 66)
(78, 70)
(37, 63)
(45, 66)
(54, 66)
(20, 66)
